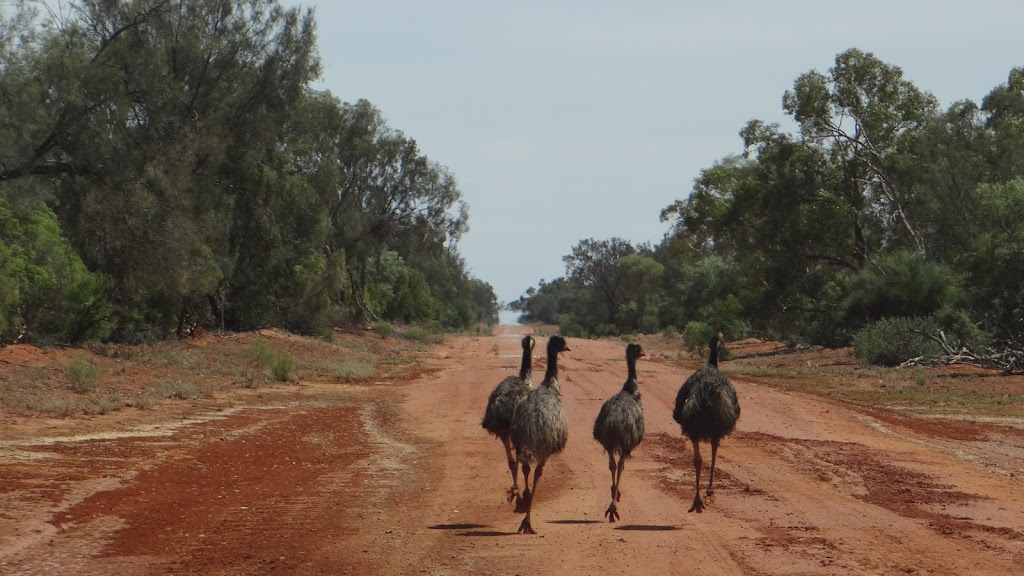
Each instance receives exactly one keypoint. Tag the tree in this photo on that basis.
(595, 265)
(863, 109)
(47, 293)
(642, 282)
(1005, 108)
(995, 262)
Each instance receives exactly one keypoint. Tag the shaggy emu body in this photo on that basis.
(539, 429)
(706, 409)
(619, 426)
(501, 405)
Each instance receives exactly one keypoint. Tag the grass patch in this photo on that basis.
(424, 335)
(354, 369)
(176, 389)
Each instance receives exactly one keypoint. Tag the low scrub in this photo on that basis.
(280, 365)
(354, 369)
(892, 341)
(82, 375)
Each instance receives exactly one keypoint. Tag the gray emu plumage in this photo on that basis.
(501, 405)
(539, 430)
(706, 409)
(619, 426)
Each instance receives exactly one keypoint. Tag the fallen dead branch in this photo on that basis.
(1009, 360)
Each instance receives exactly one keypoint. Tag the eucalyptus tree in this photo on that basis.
(863, 110)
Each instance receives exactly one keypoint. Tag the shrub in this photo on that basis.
(82, 374)
(281, 366)
(383, 329)
(891, 341)
(902, 284)
(696, 336)
(571, 328)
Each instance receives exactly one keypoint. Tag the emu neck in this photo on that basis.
(713, 355)
(526, 368)
(631, 385)
(551, 375)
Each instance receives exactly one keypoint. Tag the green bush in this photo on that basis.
(570, 327)
(282, 368)
(902, 284)
(383, 329)
(696, 336)
(891, 341)
(82, 374)
(45, 283)
(281, 365)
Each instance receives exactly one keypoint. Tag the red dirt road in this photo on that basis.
(399, 478)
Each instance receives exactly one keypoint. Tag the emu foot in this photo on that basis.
(524, 526)
(698, 505)
(612, 512)
(513, 493)
(709, 497)
(523, 501)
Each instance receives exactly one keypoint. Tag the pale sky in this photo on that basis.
(565, 120)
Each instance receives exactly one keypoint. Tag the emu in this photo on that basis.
(706, 409)
(501, 405)
(619, 426)
(539, 430)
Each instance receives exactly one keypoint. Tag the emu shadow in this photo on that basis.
(648, 527)
(574, 522)
(457, 526)
(485, 533)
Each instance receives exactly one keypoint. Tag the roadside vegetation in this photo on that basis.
(885, 221)
(102, 378)
(168, 168)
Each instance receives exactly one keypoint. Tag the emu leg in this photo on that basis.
(512, 492)
(612, 513)
(711, 475)
(523, 501)
(618, 477)
(524, 526)
(698, 504)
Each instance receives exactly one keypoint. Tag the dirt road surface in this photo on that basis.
(397, 477)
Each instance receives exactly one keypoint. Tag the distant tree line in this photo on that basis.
(881, 206)
(166, 165)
